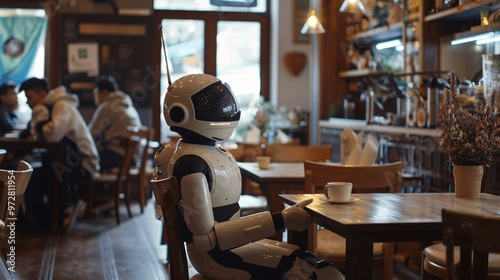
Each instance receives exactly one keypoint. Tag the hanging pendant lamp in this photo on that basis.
(312, 25)
(353, 7)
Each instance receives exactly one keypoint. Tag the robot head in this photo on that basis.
(201, 103)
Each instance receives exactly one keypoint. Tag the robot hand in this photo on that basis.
(295, 217)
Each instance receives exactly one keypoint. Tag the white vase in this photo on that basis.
(468, 180)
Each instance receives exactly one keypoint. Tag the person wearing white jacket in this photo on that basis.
(115, 113)
(65, 124)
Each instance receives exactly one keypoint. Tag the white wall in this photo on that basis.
(286, 89)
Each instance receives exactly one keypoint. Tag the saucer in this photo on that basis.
(353, 199)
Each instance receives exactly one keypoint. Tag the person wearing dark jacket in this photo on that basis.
(8, 107)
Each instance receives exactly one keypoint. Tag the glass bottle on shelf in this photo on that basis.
(432, 103)
(412, 96)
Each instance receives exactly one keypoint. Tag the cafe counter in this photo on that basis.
(426, 166)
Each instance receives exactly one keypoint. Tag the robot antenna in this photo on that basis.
(165, 53)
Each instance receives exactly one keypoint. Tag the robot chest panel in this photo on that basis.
(226, 184)
(225, 188)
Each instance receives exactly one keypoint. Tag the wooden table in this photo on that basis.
(279, 178)
(13, 145)
(385, 217)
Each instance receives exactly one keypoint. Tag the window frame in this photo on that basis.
(210, 19)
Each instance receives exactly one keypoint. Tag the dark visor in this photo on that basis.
(216, 103)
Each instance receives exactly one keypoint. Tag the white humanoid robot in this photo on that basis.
(220, 243)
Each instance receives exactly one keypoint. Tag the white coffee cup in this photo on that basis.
(338, 191)
(263, 162)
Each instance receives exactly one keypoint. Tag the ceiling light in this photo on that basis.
(312, 25)
(353, 7)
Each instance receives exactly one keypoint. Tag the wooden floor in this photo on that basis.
(95, 248)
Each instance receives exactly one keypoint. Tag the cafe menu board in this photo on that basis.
(120, 46)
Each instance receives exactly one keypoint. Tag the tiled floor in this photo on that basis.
(95, 248)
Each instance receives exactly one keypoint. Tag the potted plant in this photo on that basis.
(470, 137)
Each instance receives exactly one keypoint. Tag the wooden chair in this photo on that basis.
(433, 263)
(464, 235)
(4, 267)
(167, 195)
(115, 182)
(13, 183)
(247, 152)
(141, 173)
(477, 238)
(374, 178)
(17, 179)
(298, 153)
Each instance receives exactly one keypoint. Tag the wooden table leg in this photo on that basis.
(359, 257)
(299, 238)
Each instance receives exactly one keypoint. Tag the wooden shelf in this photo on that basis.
(467, 12)
(495, 26)
(476, 30)
(378, 34)
(374, 73)
(356, 73)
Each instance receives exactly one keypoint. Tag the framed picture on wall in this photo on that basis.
(300, 10)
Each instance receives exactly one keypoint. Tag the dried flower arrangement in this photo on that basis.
(470, 138)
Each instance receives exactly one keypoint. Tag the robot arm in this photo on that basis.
(254, 227)
(207, 233)
(197, 209)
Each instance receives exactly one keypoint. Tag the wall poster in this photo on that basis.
(115, 45)
(83, 57)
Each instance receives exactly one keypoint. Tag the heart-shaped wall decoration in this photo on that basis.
(295, 62)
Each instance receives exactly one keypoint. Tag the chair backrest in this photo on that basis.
(13, 183)
(13, 180)
(370, 178)
(246, 152)
(168, 197)
(146, 135)
(130, 145)
(477, 236)
(298, 153)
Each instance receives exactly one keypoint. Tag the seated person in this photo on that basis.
(114, 114)
(10, 115)
(65, 124)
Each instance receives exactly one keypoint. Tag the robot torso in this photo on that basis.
(221, 170)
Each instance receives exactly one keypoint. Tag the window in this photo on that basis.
(37, 68)
(251, 6)
(230, 42)
(33, 62)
